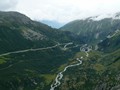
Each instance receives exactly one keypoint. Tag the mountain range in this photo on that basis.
(33, 53)
(91, 30)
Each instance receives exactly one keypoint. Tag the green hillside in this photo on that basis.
(93, 31)
(18, 32)
(33, 54)
(110, 44)
(31, 70)
(99, 71)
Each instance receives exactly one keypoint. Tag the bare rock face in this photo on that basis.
(33, 35)
(116, 87)
(101, 87)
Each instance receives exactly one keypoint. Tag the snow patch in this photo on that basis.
(97, 36)
(103, 16)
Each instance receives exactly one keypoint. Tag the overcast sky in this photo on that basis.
(60, 10)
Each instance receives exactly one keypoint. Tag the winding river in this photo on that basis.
(59, 76)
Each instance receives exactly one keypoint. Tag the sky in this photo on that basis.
(62, 11)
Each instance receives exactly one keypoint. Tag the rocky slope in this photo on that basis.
(93, 30)
(17, 32)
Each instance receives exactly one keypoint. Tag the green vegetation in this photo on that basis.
(30, 70)
(100, 70)
(62, 67)
(48, 78)
(80, 54)
(98, 67)
(2, 60)
(27, 69)
(36, 70)
(91, 31)
(19, 33)
(110, 44)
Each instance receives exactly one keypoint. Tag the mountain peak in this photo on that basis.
(103, 16)
(14, 17)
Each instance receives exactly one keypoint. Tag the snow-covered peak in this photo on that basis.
(100, 17)
(116, 16)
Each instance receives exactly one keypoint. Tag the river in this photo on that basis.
(59, 76)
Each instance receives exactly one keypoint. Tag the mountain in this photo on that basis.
(34, 56)
(99, 71)
(53, 24)
(31, 52)
(18, 32)
(93, 29)
(111, 43)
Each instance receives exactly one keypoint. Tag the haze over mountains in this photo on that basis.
(53, 24)
(33, 53)
(56, 24)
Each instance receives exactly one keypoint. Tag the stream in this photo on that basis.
(59, 76)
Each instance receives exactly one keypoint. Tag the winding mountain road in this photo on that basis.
(59, 75)
(65, 47)
(37, 49)
(27, 50)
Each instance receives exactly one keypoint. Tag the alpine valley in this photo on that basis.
(81, 55)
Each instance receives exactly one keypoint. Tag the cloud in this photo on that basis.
(64, 10)
(7, 4)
